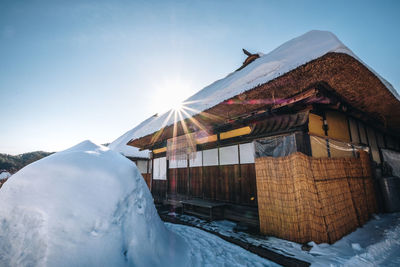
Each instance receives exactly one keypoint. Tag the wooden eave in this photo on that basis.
(346, 77)
(137, 158)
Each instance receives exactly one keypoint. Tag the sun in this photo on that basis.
(178, 106)
(170, 93)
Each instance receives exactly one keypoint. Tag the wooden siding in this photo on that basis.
(315, 124)
(227, 188)
(227, 183)
(196, 182)
(178, 181)
(159, 189)
(248, 185)
(147, 178)
(210, 175)
(337, 126)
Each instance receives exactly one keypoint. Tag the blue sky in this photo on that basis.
(76, 70)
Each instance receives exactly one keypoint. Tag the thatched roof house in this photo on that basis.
(310, 95)
(315, 57)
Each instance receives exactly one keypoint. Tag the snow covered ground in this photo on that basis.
(209, 250)
(90, 206)
(377, 243)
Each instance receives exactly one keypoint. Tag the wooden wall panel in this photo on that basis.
(178, 181)
(147, 178)
(355, 138)
(172, 180)
(159, 190)
(363, 133)
(182, 181)
(196, 182)
(315, 124)
(338, 126)
(248, 185)
(228, 183)
(225, 184)
(373, 144)
(210, 175)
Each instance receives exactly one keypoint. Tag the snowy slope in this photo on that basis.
(288, 56)
(85, 206)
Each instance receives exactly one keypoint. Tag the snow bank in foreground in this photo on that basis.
(85, 206)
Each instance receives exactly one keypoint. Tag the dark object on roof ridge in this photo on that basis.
(250, 58)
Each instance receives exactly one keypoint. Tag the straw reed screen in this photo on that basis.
(303, 199)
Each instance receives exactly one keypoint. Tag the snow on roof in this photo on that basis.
(129, 151)
(288, 56)
(120, 144)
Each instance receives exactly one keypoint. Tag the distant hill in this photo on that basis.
(13, 164)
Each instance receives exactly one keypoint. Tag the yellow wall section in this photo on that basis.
(159, 150)
(315, 123)
(236, 132)
(207, 139)
(337, 126)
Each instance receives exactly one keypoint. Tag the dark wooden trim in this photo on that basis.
(358, 130)
(188, 176)
(240, 178)
(350, 135)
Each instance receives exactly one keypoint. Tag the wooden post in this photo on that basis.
(188, 177)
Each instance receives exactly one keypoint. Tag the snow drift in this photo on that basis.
(85, 206)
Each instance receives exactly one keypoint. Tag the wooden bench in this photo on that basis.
(189, 206)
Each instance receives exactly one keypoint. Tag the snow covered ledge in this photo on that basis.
(85, 206)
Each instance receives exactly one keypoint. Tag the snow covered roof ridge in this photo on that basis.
(120, 144)
(283, 59)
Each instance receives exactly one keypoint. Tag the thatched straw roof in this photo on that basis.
(314, 58)
(350, 79)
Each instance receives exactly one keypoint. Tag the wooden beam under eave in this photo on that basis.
(296, 98)
(160, 150)
(235, 132)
